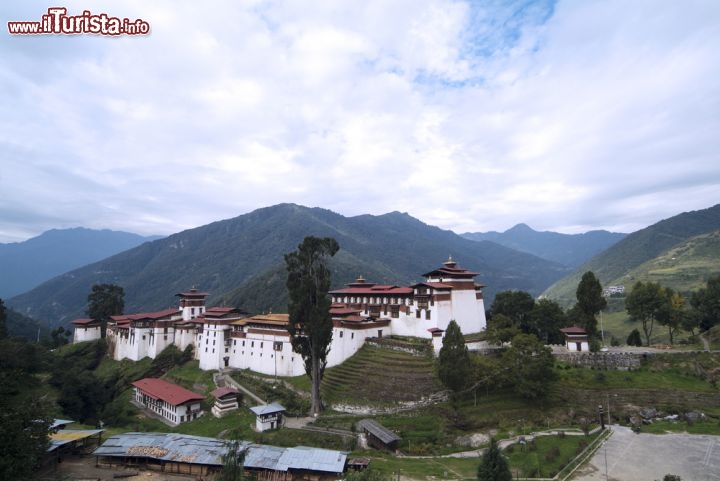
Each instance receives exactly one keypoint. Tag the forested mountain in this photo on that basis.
(27, 264)
(571, 250)
(240, 261)
(638, 248)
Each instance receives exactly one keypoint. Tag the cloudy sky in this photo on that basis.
(472, 116)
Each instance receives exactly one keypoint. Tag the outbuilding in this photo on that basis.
(576, 339)
(268, 416)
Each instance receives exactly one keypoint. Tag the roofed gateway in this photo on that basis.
(227, 337)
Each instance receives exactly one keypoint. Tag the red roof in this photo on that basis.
(374, 290)
(573, 330)
(145, 315)
(434, 285)
(339, 311)
(192, 293)
(166, 391)
(83, 322)
(224, 391)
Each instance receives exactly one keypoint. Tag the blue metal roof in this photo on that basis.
(267, 409)
(201, 450)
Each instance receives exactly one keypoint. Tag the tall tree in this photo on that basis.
(310, 325)
(233, 461)
(674, 313)
(546, 320)
(530, 366)
(454, 366)
(105, 300)
(517, 305)
(646, 303)
(494, 466)
(590, 302)
(706, 304)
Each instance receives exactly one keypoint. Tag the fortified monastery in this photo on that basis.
(226, 337)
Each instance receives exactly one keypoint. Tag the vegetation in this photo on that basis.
(453, 359)
(513, 312)
(493, 465)
(645, 304)
(590, 302)
(105, 300)
(26, 414)
(637, 248)
(310, 325)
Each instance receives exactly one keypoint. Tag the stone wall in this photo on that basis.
(622, 361)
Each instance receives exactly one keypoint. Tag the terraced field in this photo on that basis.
(381, 375)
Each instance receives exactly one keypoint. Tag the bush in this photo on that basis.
(634, 338)
(552, 454)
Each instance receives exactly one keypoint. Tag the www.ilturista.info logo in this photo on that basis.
(57, 21)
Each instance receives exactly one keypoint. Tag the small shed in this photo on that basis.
(226, 401)
(378, 436)
(576, 339)
(268, 416)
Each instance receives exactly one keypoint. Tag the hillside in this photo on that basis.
(240, 261)
(29, 263)
(637, 248)
(685, 267)
(570, 250)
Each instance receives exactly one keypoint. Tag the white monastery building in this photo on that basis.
(227, 337)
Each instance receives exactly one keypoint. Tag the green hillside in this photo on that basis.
(637, 248)
(685, 267)
(240, 261)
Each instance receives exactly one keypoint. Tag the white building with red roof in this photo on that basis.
(226, 337)
(422, 310)
(173, 403)
(86, 330)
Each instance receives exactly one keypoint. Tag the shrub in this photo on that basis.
(552, 454)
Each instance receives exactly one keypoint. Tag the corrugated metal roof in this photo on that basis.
(298, 458)
(201, 450)
(378, 430)
(165, 446)
(267, 409)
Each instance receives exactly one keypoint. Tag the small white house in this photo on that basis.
(268, 416)
(576, 339)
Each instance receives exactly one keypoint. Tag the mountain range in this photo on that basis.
(638, 248)
(27, 264)
(240, 262)
(570, 250)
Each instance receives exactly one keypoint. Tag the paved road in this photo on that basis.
(648, 457)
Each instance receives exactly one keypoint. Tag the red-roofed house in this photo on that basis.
(173, 403)
(86, 330)
(576, 339)
(226, 401)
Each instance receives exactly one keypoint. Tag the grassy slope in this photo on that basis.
(637, 248)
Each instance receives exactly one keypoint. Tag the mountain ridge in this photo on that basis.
(571, 250)
(27, 264)
(246, 252)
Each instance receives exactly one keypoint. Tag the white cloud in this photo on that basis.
(469, 115)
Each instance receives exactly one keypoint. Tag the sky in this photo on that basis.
(568, 116)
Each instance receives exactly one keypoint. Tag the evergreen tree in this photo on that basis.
(105, 300)
(494, 466)
(530, 366)
(233, 461)
(454, 366)
(634, 338)
(590, 302)
(310, 325)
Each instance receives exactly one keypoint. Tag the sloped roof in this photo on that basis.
(224, 391)
(167, 391)
(146, 315)
(298, 458)
(83, 322)
(209, 451)
(267, 409)
(378, 430)
(574, 330)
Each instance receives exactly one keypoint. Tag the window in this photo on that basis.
(341, 334)
(427, 314)
(417, 313)
(261, 345)
(352, 335)
(252, 343)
